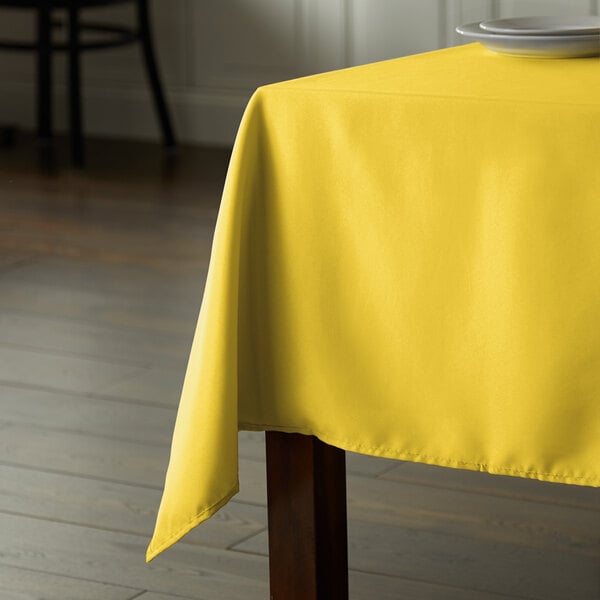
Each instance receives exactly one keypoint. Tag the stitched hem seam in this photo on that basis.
(155, 549)
(420, 457)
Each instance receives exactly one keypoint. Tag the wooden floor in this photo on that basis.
(101, 276)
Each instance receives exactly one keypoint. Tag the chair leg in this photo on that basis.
(75, 112)
(160, 104)
(44, 72)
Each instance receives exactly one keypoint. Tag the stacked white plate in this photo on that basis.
(540, 37)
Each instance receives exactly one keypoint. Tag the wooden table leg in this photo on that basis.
(306, 489)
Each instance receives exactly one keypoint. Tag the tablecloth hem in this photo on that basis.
(155, 549)
(383, 452)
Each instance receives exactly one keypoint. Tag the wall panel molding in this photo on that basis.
(459, 12)
(508, 8)
(324, 43)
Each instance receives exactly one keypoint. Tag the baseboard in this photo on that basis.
(206, 118)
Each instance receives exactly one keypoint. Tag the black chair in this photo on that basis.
(111, 36)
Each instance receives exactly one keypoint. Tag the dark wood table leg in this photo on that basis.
(308, 547)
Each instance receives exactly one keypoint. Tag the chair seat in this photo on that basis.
(44, 45)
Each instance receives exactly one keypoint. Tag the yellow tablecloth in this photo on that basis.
(406, 264)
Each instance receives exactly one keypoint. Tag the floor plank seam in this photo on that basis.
(120, 380)
(87, 580)
(126, 296)
(84, 321)
(86, 395)
(108, 327)
(83, 525)
(491, 494)
(430, 583)
(138, 595)
(528, 546)
(51, 247)
(82, 432)
(232, 547)
(453, 535)
(67, 354)
(388, 470)
(214, 550)
(18, 263)
(145, 486)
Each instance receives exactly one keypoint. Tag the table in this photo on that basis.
(406, 264)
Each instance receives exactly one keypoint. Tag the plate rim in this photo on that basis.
(539, 46)
(575, 30)
(474, 29)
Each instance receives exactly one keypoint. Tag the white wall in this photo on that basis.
(214, 53)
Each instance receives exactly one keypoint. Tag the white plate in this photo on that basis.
(544, 25)
(537, 46)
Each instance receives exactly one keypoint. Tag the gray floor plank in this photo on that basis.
(117, 558)
(369, 586)
(71, 412)
(455, 512)
(80, 454)
(540, 574)
(153, 385)
(114, 507)
(154, 596)
(125, 279)
(484, 483)
(483, 517)
(117, 237)
(111, 460)
(25, 584)
(69, 373)
(90, 340)
(11, 259)
(150, 313)
(463, 562)
(368, 466)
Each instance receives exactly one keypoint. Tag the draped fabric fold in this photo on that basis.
(406, 264)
